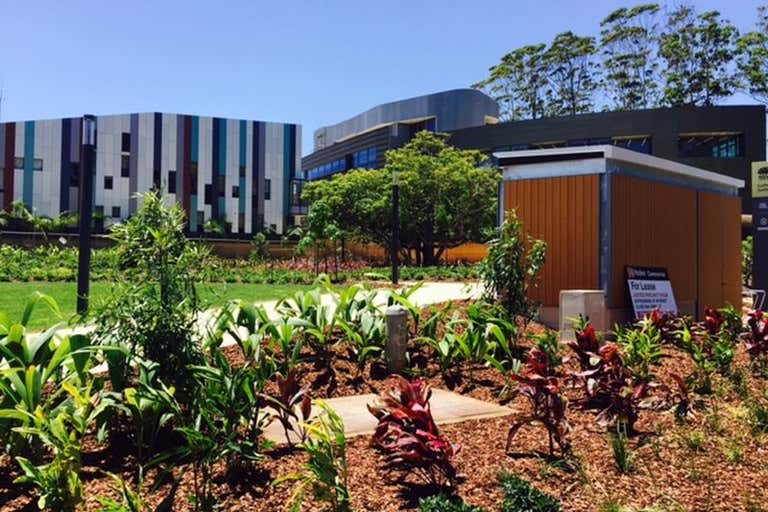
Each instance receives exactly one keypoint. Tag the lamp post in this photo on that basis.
(88, 160)
(395, 228)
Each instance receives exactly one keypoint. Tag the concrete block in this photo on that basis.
(590, 303)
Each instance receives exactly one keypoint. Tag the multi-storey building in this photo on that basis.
(361, 141)
(240, 173)
(723, 139)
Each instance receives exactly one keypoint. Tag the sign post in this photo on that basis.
(760, 225)
(649, 289)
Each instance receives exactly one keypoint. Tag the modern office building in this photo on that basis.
(240, 173)
(362, 141)
(724, 139)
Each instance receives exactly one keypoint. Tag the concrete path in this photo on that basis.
(447, 407)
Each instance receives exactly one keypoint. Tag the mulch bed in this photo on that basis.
(668, 471)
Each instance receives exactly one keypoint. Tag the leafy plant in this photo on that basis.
(698, 346)
(150, 405)
(620, 448)
(325, 473)
(510, 269)
(548, 404)
(521, 495)
(757, 338)
(548, 343)
(641, 348)
(408, 435)
(290, 397)
(613, 388)
(684, 407)
(442, 503)
(154, 313)
(132, 500)
(586, 345)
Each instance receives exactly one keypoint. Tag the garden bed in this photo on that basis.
(714, 461)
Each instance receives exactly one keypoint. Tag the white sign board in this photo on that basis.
(650, 288)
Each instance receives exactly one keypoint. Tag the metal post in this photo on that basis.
(87, 165)
(395, 229)
(397, 338)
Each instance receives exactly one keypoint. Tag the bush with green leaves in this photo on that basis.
(153, 312)
(520, 495)
(325, 474)
(443, 503)
(512, 266)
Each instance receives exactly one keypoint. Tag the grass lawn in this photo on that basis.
(14, 296)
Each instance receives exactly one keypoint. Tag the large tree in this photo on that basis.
(629, 42)
(448, 196)
(753, 57)
(573, 74)
(519, 83)
(698, 52)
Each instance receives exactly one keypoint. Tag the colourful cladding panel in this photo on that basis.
(29, 163)
(10, 143)
(719, 250)
(652, 225)
(564, 212)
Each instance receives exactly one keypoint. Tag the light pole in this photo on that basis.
(88, 160)
(395, 228)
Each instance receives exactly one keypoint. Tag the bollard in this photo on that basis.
(397, 338)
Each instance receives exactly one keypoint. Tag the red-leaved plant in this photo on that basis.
(586, 344)
(548, 404)
(757, 336)
(668, 325)
(408, 435)
(292, 405)
(613, 387)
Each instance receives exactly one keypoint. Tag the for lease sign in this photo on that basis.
(649, 288)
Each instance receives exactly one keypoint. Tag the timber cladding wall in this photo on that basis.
(719, 250)
(564, 212)
(653, 224)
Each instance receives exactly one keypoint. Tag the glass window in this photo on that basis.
(125, 143)
(639, 144)
(171, 182)
(18, 162)
(236, 191)
(107, 182)
(267, 189)
(713, 145)
(208, 194)
(125, 166)
(37, 164)
(372, 156)
(193, 174)
(242, 171)
(200, 220)
(115, 212)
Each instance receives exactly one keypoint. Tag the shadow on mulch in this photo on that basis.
(411, 493)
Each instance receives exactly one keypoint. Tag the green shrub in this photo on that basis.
(510, 269)
(520, 495)
(443, 503)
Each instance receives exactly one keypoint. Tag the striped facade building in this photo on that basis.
(245, 174)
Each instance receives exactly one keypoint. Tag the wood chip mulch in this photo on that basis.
(725, 471)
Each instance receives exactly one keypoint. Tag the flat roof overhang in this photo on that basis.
(537, 163)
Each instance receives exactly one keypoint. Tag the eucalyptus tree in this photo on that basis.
(519, 83)
(573, 74)
(698, 51)
(753, 57)
(629, 46)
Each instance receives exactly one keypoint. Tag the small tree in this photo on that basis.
(510, 269)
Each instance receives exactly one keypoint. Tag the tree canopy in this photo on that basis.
(645, 56)
(448, 196)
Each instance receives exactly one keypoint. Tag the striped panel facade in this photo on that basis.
(234, 171)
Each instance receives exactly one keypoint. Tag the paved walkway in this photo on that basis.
(447, 407)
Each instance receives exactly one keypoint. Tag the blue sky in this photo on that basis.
(309, 62)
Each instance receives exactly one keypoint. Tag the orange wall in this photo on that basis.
(564, 212)
(719, 250)
(653, 225)
(465, 253)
